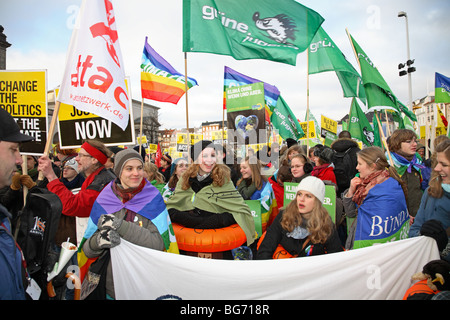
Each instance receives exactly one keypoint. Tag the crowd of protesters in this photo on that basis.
(382, 182)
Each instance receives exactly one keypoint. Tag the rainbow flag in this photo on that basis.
(148, 203)
(159, 80)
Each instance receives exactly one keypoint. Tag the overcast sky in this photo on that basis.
(40, 32)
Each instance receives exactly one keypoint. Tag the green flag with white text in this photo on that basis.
(324, 55)
(247, 29)
(283, 119)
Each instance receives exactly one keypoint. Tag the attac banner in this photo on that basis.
(379, 272)
(24, 95)
(75, 125)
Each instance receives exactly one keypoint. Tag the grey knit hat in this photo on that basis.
(122, 157)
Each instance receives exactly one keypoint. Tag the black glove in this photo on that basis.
(435, 230)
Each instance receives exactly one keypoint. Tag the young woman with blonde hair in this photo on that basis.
(205, 196)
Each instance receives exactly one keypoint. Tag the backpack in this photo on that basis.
(344, 168)
(37, 227)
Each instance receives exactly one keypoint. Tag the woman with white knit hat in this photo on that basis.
(304, 228)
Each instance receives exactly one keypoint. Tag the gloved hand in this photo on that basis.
(107, 238)
(108, 221)
(15, 183)
(435, 230)
(26, 181)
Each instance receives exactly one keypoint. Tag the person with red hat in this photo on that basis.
(91, 161)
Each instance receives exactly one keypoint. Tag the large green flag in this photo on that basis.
(248, 29)
(379, 95)
(324, 55)
(359, 127)
(283, 119)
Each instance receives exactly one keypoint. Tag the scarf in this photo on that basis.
(403, 165)
(367, 183)
(319, 169)
(127, 195)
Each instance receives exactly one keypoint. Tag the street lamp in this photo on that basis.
(409, 62)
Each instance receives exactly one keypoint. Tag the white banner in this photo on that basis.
(94, 78)
(378, 272)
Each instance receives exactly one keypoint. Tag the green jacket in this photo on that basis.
(216, 200)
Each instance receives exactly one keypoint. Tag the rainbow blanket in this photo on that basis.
(148, 203)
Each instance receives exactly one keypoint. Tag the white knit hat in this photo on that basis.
(313, 185)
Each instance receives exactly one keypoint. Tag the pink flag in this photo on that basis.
(94, 78)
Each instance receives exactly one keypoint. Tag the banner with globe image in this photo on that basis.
(246, 114)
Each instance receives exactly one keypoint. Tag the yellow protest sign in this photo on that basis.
(23, 94)
(312, 129)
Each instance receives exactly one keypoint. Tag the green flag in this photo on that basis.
(283, 119)
(248, 29)
(359, 127)
(379, 95)
(324, 55)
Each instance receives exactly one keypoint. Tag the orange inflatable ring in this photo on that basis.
(209, 240)
(280, 252)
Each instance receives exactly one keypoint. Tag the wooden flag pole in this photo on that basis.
(383, 138)
(141, 124)
(307, 101)
(50, 133)
(187, 107)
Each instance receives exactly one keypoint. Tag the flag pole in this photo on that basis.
(141, 123)
(307, 101)
(50, 133)
(187, 107)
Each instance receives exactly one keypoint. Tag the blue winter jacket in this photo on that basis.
(11, 283)
(432, 208)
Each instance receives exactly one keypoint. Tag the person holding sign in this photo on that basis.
(91, 161)
(12, 281)
(377, 198)
(304, 228)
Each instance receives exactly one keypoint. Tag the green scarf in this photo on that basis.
(216, 200)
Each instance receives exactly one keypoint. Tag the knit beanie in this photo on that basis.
(197, 148)
(313, 185)
(72, 164)
(122, 157)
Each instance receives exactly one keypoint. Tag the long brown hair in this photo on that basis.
(319, 225)
(435, 185)
(376, 155)
(255, 166)
(220, 174)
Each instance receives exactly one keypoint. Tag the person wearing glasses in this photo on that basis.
(403, 147)
(91, 161)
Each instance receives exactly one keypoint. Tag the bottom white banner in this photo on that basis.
(378, 272)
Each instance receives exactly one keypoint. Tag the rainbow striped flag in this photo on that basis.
(148, 203)
(159, 80)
